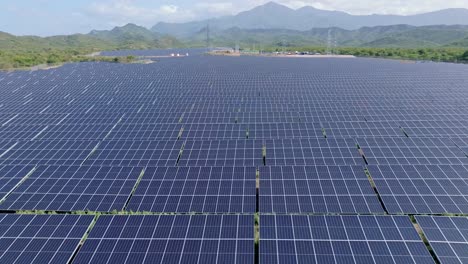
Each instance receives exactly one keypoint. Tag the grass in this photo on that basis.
(257, 237)
(324, 133)
(179, 136)
(374, 187)
(140, 177)
(424, 238)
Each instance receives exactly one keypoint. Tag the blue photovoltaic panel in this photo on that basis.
(462, 143)
(312, 151)
(457, 127)
(65, 188)
(170, 239)
(68, 152)
(145, 131)
(41, 238)
(238, 127)
(340, 239)
(448, 237)
(221, 153)
(10, 176)
(422, 189)
(316, 189)
(6, 146)
(200, 126)
(412, 151)
(362, 129)
(20, 132)
(136, 153)
(196, 189)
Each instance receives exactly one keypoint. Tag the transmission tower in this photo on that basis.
(208, 40)
(329, 43)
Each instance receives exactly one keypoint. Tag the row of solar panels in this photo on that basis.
(411, 189)
(100, 81)
(230, 239)
(239, 152)
(203, 131)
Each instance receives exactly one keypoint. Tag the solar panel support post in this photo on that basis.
(85, 236)
(424, 239)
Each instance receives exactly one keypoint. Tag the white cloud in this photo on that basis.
(169, 9)
(118, 12)
(217, 8)
(364, 7)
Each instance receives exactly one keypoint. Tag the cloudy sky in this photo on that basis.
(52, 17)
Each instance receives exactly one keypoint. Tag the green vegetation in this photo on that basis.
(432, 54)
(464, 57)
(436, 43)
(24, 59)
(28, 51)
(429, 54)
(396, 36)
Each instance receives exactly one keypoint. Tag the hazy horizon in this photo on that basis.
(53, 17)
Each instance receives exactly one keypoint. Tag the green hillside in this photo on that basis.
(402, 36)
(446, 43)
(26, 51)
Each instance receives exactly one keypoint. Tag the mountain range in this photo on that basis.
(261, 27)
(403, 36)
(129, 36)
(276, 16)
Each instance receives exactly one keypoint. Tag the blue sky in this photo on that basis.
(52, 17)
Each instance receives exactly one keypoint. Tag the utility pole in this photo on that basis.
(208, 41)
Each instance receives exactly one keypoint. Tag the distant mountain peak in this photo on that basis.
(271, 6)
(131, 25)
(276, 16)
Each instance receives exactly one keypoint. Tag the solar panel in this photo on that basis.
(422, 189)
(340, 239)
(135, 153)
(170, 239)
(221, 153)
(316, 189)
(412, 151)
(69, 152)
(312, 152)
(188, 147)
(65, 188)
(196, 189)
(462, 143)
(41, 238)
(448, 237)
(362, 129)
(10, 177)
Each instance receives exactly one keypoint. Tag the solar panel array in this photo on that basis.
(41, 238)
(316, 189)
(448, 236)
(170, 239)
(185, 157)
(422, 189)
(340, 239)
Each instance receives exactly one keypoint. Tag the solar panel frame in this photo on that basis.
(170, 239)
(422, 189)
(317, 189)
(340, 239)
(74, 188)
(448, 237)
(196, 189)
(41, 238)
